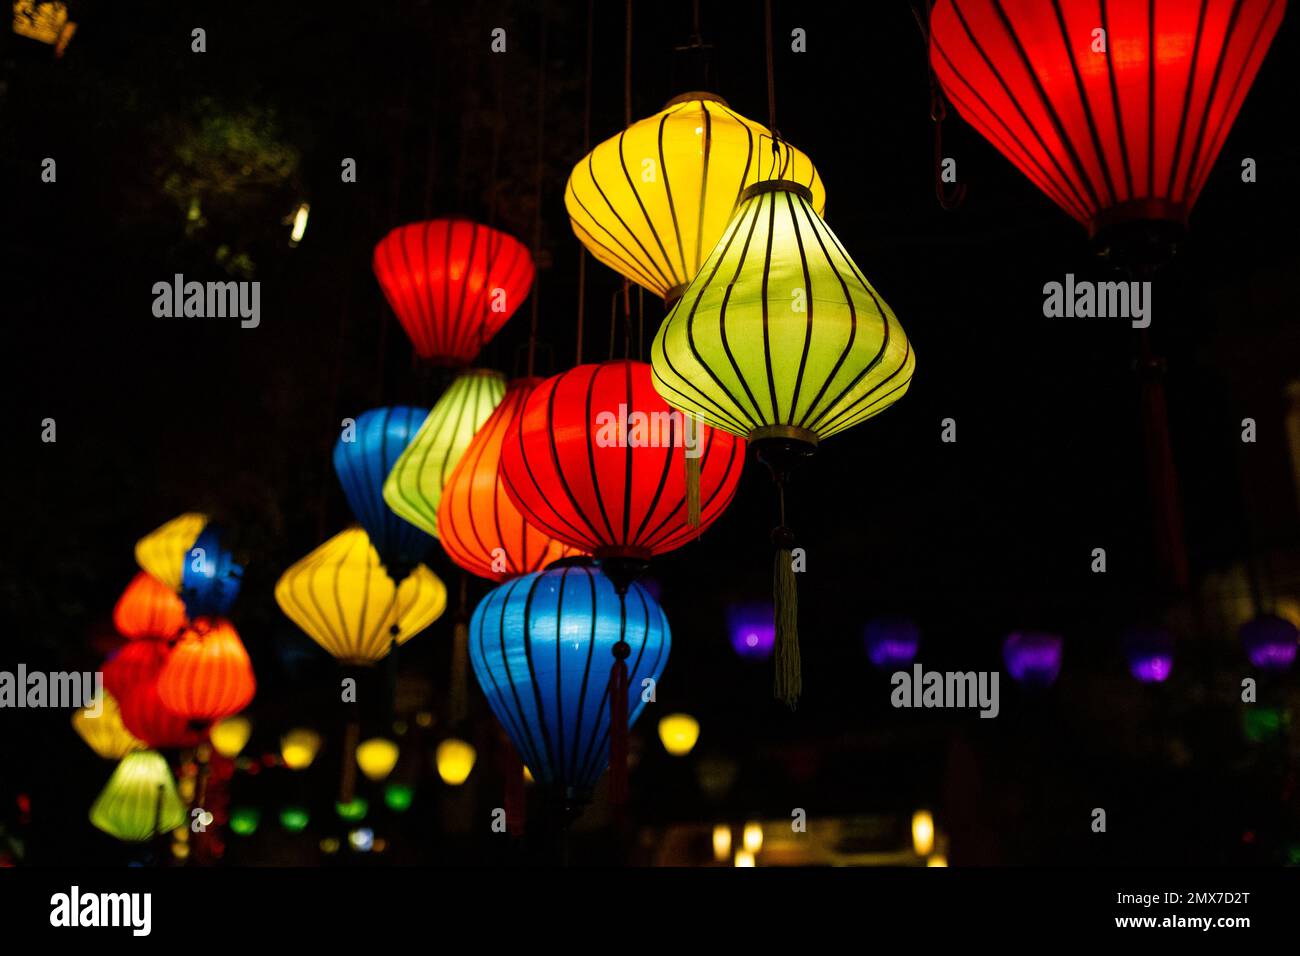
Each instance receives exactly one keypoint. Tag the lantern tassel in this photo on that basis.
(788, 681)
(618, 746)
(692, 489)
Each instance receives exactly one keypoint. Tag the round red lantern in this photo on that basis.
(133, 665)
(149, 608)
(145, 716)
(208, 674)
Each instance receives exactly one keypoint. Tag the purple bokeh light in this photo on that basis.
(892, 642)
(1150, 653)
(1270, 642)
(753, 630)
(1033, 658)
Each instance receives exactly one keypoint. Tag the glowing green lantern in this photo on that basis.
(140, 800)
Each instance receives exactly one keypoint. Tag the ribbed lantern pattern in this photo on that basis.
(106, 734)
(781, 329)
(414, 486)
(481, 529)
(1119, 126)
(652, 202)
(162, 552)
(541, 647)
(453, 284)
(342, 596)
(208, 674)
(364, 456)
(595, 459)
(140, 800)
(148, 608)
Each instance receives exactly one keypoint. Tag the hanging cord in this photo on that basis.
(537, 190)
(787, 682)
(771, 74)
(459, 691)
(948, 199)
(618, 730)
(586, 148)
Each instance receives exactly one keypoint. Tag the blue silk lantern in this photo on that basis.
(210, 578)
(1270, 642)
(1150, 653)
(753, 630)
(378, 439)
(541, 646)
(892, 642)
(1033, 659)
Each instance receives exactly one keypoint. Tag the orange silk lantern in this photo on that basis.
(149, 608)
(208, 675)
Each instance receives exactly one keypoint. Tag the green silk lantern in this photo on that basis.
(139, 801)
(414, 487)
(781, 339)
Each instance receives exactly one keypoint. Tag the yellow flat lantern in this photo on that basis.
(105, 733)
(298, 748)
(377, 757)
(679, 732)
(455, 761)
(162, 552)
(653, 201)
(230, 735)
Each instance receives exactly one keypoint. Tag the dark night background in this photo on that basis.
(972, 539)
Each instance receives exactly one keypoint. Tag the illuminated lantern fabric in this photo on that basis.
(780, 335)
(343, 598)
(210, 578)
(148, 608)
(413, 488)
(134, 664)
(377, 757)
(208, 674)
(595, 459)
(1129, 133)
(1270, 642)
(106, 734)
(146, 717)
(163, 551)
(481, 529)
(540, 646)
(363, 464)
(1033, 659)
(140, 800)
(652, 202)
(453, 284)
(1150, 653)
(298, 748)
(230, 735)
(892, 642)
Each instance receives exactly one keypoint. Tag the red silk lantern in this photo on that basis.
(595, 459)
(134, 664)
(145, 716)
(453, 284)
(481, 529)
(149, 608)
(1116, 110)
(208, 674)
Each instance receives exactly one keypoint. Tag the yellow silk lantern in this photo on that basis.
(413, 488)
(162, 552)
(679, 732)
(230, 735)
(342, 596)
(377, 757)
(455, 761)
(652, 202)
(140, 800)
(298, 748)
(105, 733)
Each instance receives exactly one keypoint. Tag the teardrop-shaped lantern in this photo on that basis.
(1118, 110)
(133, 664)
(479, 526)
(208, 674)
(210, 578)
(149, 609)
(595, 459)
(139, 801)
(364, 456)
(342, 596)
(413, 488)
(105, 732)
(652, 202)
(146, 717)
(162, 552)
(540, 646)
(453, 284)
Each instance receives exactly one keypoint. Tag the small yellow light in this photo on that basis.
(230, 735)
(939, 859)
(181, 850)
(922, 832)
(679, 732)
(299, 223)
(455, 761)
(298, 748)
(721, 842)
(424, 718)
(752, 839)
(329, 845)
(377, 757)
(744, 858)
(528, 775)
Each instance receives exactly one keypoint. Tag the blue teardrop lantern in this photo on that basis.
(380, 437)
(541, 646)
(210, 578)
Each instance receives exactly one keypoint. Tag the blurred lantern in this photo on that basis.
(752, 837)
(938, 859)
(481, 529)
(343, 598)
(892, 642)
(678, 733)
(753, 630)
(230, 735)
(744, 859)
(455, 760)
(1270, 642)
(208, 675)
(1033, 659)
(540, 645)
(244, 820)
(1150, 653)
(105, 732)
(352, 810)
(922, 832)
(780, 339)
(145, 716)
(377, 757)
(413, 489)
(453, 284)
(398, 797)
(721, 842)
(140, 801)
(362, 839)
(210, 577)
(134, 664)
(1124, 132)
(298, 748)
(655, 223)
(1263, 723)
(45, 21)
(148, 608)
(294, 819)
(163, 551)
(329, 845)
(364, 456)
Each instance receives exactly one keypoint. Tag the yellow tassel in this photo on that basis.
(788, 681)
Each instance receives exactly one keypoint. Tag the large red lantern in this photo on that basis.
(453, 283)
(1116, 109)
(145, 716)
(133, 665)
(480, 528)
(148, 608)
(208, 674)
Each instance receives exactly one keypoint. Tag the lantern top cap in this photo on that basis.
(777, 185)
(696, 95)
